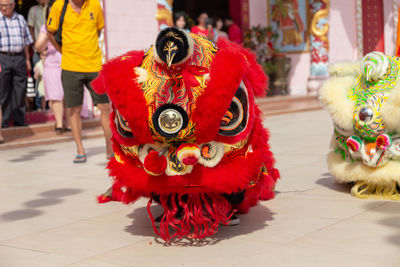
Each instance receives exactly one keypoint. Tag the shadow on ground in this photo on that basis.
(255, 220)
(49, 198)
(391, 210)
(328, 181)
(92, 151)
(32, 155)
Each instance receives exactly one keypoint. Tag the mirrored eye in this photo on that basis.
(235, 119)
(122, 125)
(366, 114)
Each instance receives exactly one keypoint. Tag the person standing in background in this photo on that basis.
(14, 64)
(204, 27)
(218, 23)
(180, 21)
(36, 18)
(234, 32)
(53, 88)
(80, 63)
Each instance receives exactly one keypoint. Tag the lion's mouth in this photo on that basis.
(179, 158)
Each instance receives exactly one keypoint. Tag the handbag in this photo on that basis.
(30, 86)
(58, 34)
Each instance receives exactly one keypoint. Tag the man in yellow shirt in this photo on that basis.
(81, 61)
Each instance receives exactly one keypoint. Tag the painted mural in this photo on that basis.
(290, 19)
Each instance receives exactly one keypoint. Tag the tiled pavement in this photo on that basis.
(49, 217)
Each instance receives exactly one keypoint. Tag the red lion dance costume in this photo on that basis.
(187, 133)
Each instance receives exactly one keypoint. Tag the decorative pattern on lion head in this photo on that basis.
(187, 133)
(364, 102)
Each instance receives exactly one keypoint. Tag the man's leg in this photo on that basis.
(76, 127)
(1, 136)
(5, 88)
(103, 105)
(19, 90)
(73, 95)
(105, 123)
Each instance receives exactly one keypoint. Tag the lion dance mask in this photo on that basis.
(364, 102)
(187, 133)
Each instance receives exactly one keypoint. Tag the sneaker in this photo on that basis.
(157, 221)
(234, 220)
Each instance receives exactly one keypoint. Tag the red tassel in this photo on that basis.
(191, 215)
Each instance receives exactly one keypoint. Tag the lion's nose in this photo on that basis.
(169, 119)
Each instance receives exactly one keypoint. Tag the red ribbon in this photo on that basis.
(189, 74)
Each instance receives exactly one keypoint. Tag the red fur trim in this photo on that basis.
(193, 216)
(231, 65)
(118, 79)
(117, 194)
(103, 199)
(255, 75)
(226, 73)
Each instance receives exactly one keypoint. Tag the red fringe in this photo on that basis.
(191, 215)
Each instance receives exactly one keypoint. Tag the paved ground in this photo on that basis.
(48, 214)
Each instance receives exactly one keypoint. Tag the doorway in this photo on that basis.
(22, 7)
(213, 8)
(237, 9)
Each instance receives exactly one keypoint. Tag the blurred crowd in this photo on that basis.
(210, 28)
(52, 62)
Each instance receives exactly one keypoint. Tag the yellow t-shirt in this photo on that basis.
(80, 40)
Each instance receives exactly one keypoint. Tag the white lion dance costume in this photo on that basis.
(364, 102)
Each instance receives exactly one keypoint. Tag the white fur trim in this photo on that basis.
(141, 74)
(346, 171)
(391, 110)
(334, 96)
(345, 69)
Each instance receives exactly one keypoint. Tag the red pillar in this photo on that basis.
(373, 27)
(239, 11)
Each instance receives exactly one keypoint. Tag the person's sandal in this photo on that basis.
(67, 130)
(1, 140)
(80, 159)
(58, 130)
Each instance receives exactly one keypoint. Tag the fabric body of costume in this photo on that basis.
(363, 99)
(187, 133)
(14, 37)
